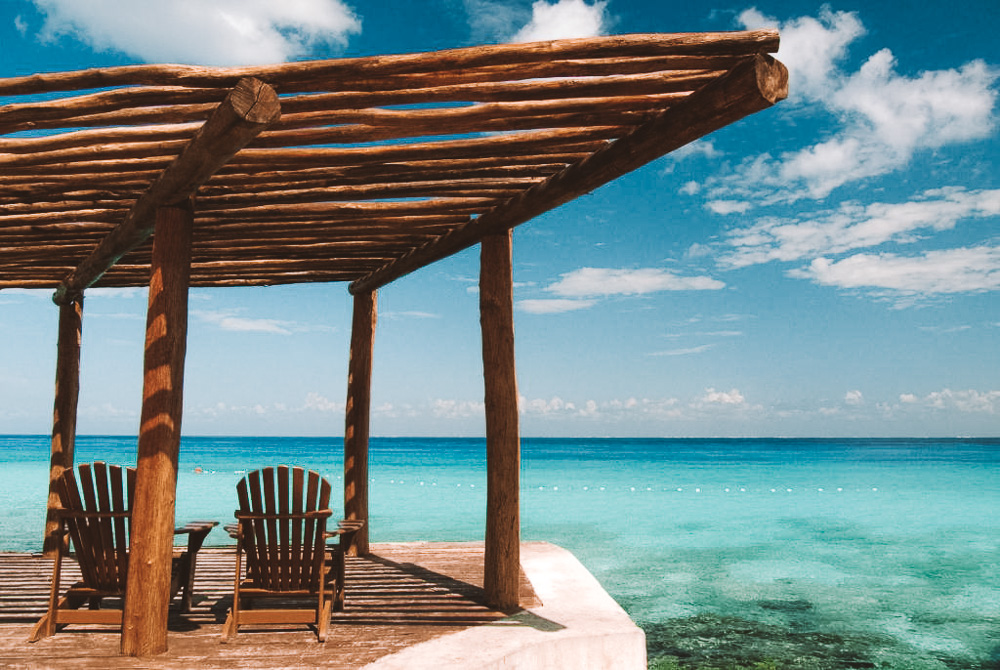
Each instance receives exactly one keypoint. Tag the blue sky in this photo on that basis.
(828, 267)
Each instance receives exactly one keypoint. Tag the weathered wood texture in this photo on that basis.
(398, 596)
(64, 412)
(752, 85)
(144, 628)
(357, 418)
(476, 140)
(503, 440)
(249, 108)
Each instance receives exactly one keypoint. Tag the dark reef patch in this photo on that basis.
(714, 642)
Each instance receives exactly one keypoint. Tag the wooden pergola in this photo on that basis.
(351, 170)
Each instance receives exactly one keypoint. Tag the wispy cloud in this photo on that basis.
(965, 270)
(882, 118)
(968, 401)
(553, 305)
(457, 409)
(593, 282)
(221, 32)
(582, 288)
(231, 321)
(409, 314)
(684, 352)
(854, 226)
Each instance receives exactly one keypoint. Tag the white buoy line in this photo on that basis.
(620, 488)
(639, 489)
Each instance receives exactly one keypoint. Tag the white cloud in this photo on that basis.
(126, 293)
(810, 47)
(713, 397)
(968, 401)
(728, 206)
(553, 305)
(881, 117)
(221, 32)
(853, 226)
(854, 398)
(20, 25)
(457, 409)
(690, 188)
(589, 282)
(965, 270)
(564, 19)
(320, 403)
(540, 406)
(231, 322)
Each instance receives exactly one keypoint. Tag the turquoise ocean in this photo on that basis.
(755, 553)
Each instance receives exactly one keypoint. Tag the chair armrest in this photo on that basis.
(196, 531)
(346, 527)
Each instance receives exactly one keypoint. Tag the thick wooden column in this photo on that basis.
(64, 413)
(503, 441)
(144, 629)
(359, 386)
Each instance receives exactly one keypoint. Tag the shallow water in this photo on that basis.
(889, 546)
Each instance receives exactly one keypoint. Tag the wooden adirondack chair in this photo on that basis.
(282, 532)
(96, 516)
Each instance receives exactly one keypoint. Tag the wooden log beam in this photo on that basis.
(64, 413)
(357, 418)
(551, 79)
(248, 109)
(147, 597)
(502, 566)
(329, 74)
(753, 85)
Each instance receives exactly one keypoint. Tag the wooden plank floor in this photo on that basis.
(401, 595)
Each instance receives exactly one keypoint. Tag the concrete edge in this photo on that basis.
(578, 625)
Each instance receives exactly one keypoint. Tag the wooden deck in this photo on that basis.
(401, 595)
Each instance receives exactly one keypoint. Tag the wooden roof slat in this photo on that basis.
(249, 108)
(120, 110)
(751, 86)
(332, 72)
(376, 167)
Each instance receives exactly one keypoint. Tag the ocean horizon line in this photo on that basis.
(814, 438)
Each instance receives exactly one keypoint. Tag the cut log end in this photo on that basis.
(772, 78)
(254, 101)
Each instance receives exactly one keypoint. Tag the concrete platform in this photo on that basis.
(577, 625)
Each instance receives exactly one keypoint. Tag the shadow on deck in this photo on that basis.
(415, 605)
(399, 596)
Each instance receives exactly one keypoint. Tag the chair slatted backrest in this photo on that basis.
(97, 513)
(283, 513)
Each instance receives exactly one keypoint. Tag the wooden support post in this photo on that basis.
(64, 413)
(503, 443)
(147, 598)
(359, 385)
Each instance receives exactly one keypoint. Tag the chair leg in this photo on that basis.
(339, 574)
(230, 628)
(46, 626)
(324, 621)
